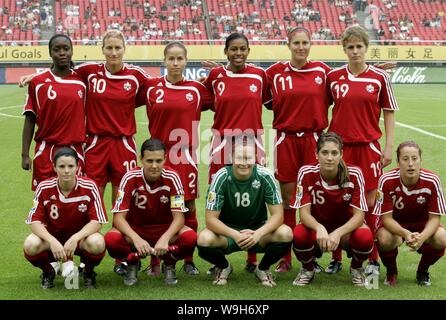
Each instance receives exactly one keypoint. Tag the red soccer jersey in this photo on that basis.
(111, 99)
(410, 207)
(330, 204)
(150, 203)
(301, 97)
(62, 215)
(238, 98)
(358, 101)
(174, 110)
(59, 106)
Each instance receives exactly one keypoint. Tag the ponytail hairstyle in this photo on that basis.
(60, 35)
(409, 143)
(343, 174)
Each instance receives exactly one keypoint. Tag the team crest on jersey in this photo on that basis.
(82, 207)
(189, 97)
(127, 86)
(318, 80)
(256, 184)
(253, 88)
(164, 199)
(211, 197)
(80, 93)
(421, 199)
(370, 88)
(347, 197)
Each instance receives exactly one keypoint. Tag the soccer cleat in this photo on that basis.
(265, 277)
(283, 266)
(131, 275)
(90, 280)
(221, 275)
(372, 268)
(170, 275)
(333, 267)
(120, 268)
(391, 280)
(423, 278)
(68, 268)
(47, 279)
(317, 267)
(153, 270)
(358, 278)
(250, 267)
(212, 271)
(190, 269)
(304, 277)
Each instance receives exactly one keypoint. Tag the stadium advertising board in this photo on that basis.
(201, 52)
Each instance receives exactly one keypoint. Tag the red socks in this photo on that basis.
(40, 260)
(91, 260)
(361, 244)
(303, 245)
(117, 246)
(428, 257)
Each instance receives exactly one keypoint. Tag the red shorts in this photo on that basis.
(373, 221)
(43, 161)
(109, 158)
(367, 156)
(220, 154)
(291, 152)
(184, 162)
(151, 233)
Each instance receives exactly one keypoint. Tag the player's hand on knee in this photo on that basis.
(70, 247)
(161, 247)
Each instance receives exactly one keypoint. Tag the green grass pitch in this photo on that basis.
(421, 118)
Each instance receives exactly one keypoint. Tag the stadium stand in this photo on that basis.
(153, 21)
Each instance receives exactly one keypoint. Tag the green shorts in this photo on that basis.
(233, 246)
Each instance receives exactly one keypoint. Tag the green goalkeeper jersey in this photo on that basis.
(242, 204)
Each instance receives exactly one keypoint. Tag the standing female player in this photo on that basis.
(65, 220)
(300, 106)
(110, 108)
(56, 103)
(359, 92)
(331, 201)
(411, 203)
(168, 99)
(239, 90)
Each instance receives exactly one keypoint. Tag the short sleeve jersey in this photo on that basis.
(59, 106)
(62, 215)
(301, 97)
(242, 204)
(150, 203)
(410, 206)
(111, 99)
(331, 205)
(174, 110)
(358, 101)
(238, 98)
